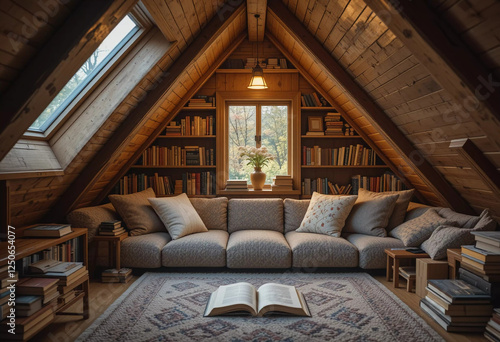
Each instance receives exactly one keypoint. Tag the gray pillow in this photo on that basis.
(445, 237)
(213, 211)
(462, 220)
(370, 214)
(137, 213)
(412, 233)
(399, 213)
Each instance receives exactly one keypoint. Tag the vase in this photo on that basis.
(258, 178)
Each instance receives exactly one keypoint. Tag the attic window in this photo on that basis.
(110, 47)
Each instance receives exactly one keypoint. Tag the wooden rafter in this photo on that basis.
(473, 87)
(478, 161)
(374, 114)
(55, 64)
(346, 116)
(190, 93)
(152, 100)
(256, 7)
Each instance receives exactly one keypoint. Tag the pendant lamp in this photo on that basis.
(257, 81)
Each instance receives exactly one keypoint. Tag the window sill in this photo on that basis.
(258, 193)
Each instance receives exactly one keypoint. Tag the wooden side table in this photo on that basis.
(394, 258)
(454, 259)
(114, 251)
(429, 269)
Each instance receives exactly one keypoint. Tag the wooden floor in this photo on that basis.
(68, 328)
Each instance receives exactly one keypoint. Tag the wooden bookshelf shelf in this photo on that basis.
(173, 167)
(249, 71)
(331, 137)
(199, 108)
(186, 137)
(344, 166)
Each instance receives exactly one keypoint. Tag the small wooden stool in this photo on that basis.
(410, 274)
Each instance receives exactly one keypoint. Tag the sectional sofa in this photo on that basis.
(247, 233)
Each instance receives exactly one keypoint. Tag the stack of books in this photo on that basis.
(492, 332)
(252, 63)
(282, 183)
(173, 129)
(237, 185)
(65, 272)
(44, 287)
(334, 124)
(123, 275)
(202, 101)
(66, 297)
(456, 305)
(27, 327)
(48, 230)
(28, 305)
(111, 228)
(273, 63)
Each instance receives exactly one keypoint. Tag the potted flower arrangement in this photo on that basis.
(257, 157)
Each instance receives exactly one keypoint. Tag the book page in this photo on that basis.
(277, 294)
(239, 293)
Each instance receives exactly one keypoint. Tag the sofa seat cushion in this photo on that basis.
(206, 249)
(255, 214)
(258, 249)
(311, 250)
(371, 249)
(143, 251)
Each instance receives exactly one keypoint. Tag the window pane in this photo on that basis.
(242, 131)
(108, 48)
(275, 138)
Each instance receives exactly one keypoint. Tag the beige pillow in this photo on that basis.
(178, 215)
(137, 213)
(370, 214)
(399, 212)
(326, 214)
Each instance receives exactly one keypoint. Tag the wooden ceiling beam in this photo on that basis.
(256, 7)
(55, 64)
(138, 115)
(190, 93)
(346, 116)
(452, 64)
(374, 114)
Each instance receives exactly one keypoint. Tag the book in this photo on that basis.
(488, 268)
(457, 291)
(487, 247)
(48, 230)
(241, 298)
(480, 254)
(492, 237)
(478, 282)
(447, 325)
(458, 309)
(50, 265)
(484, 317)
(35, 286)
(28, 305)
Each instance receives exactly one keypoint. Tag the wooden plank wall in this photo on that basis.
(25, 25)
(402, 86)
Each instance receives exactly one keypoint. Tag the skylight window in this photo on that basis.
(116, 39)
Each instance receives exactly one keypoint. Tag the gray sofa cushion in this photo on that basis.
(416, 209)
(91, 217)
(213, 211)
(371, 249)
(463, 220)
(258, 249)
(207, 249)
(310, 250)
(261, 214)
(143, 251)
(295, 211)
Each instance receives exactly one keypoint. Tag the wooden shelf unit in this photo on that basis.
(29, 246)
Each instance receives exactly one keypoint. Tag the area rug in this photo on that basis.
(344, 307)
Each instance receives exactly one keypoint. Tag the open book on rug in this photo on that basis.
(244, 298)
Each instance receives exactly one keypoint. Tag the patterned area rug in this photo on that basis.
(344, 307)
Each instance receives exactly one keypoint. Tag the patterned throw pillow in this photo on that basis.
(412, 233)
(445, 237)
(326, 214)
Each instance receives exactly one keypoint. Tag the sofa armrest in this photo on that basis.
(91, 217)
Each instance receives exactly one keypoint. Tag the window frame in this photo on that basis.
(98, 77)
(257, 96)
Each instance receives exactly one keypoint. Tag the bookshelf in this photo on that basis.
(26, 248)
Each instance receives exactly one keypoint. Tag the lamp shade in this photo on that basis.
(257, 81)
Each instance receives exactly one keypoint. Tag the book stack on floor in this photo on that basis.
(123, 275)
(456, 305)
(282, 183)
(27, 327)
(111, 228)
(492, 332)
(237, 185)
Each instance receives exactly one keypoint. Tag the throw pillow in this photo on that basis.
(462, 220)
(486, 222)
(326, 214)
(412, 233)
(370, 214)
(399, 213)
(137, 213)
(445, 237)
(178, 215)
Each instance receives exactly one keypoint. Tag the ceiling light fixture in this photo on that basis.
(257, 81)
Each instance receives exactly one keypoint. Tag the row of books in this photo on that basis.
(202, 101)
(191, 126)
(196, 183)
(131, 183)
(352, 155)
(310, 185)
(386, 182)
(313, 100)
(177, 156)
(69, 251)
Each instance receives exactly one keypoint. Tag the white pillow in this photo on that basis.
(326, 214)
(178, 215)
